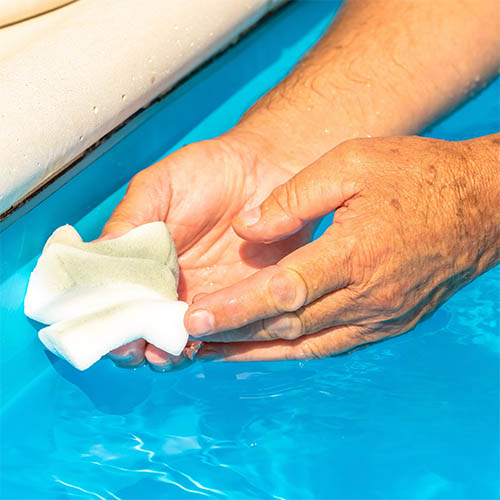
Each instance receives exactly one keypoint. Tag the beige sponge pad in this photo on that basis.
(101, 295)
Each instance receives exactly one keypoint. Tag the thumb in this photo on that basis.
(136, 208)
(115, 229)
(122, 221)
(312, 193)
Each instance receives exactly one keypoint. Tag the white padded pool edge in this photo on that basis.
(13, 11)
(70, 76)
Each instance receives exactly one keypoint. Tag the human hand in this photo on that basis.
(414, 222)
(197, 191)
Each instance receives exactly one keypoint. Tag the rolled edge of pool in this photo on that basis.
(13, 11)
(72, 75)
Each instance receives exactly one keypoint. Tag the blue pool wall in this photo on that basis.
(206, 105)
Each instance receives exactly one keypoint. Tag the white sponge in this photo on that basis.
(99, 296)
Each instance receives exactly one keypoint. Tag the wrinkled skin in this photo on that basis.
(414, 222)
(197, 191)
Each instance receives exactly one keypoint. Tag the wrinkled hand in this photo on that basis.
(197, 191)
(413, 223)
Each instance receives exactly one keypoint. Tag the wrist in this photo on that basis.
(295, 131)
(313, 110)
(479, 199)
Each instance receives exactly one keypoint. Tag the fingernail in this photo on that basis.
(126, 364)
(249, 217)
(131, 359)
(201, 322)
(161, 368)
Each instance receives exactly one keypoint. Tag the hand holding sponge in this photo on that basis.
(101, 295)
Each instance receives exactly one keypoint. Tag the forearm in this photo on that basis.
(386, 67)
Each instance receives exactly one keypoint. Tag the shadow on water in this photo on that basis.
(111, 390)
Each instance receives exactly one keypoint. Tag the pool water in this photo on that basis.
(416, 417)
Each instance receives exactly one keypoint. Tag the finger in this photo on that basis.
(312, 193)
(328, 342)
(130, 355)
(300, 278)
(133, 210)
(145, 201)
(162, 361)
(337, 308)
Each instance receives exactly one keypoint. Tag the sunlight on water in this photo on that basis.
(277, 430)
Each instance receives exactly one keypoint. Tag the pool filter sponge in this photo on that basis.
(101, 295)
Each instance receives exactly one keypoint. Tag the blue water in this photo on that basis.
(416, 417)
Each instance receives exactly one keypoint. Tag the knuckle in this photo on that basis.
(287, 326)
(286, 198)
(326, 311)
(389, 299)
(351, 151)
(287, 290)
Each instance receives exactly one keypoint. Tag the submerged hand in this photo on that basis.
(414, 222)
(197, 191)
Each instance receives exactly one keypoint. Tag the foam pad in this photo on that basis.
(13, 11)
(101, 295)
(70, 76)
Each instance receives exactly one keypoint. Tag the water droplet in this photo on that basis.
(124, 96)
(309, 108)
(377, 112)
(326, 131)
(96, 109)
(80, 138)
(153, 79)
(211, 283)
